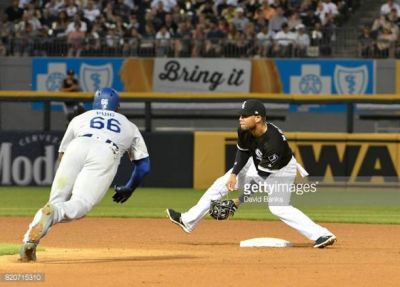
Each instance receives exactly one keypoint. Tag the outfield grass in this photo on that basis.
(328, 205)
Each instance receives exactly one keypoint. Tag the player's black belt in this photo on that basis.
(107, 141)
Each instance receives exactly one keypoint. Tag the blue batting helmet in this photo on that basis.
(106, 99)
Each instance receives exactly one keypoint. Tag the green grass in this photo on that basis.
(327, 205)
(11, 249)
(8, 249)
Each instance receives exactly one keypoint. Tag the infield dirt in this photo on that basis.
(154, 252)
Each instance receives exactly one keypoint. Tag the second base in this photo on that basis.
(265, 242)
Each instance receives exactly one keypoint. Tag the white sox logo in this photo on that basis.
(104, 103)
(244, 104)
(258, 154)
(272, 159)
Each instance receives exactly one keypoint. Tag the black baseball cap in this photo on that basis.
(253, 108)
(70, 72)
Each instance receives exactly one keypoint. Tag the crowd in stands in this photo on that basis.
(380, 40)
(175, 28)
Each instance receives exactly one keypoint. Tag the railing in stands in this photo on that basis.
(148, 98)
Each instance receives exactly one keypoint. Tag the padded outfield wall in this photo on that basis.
(197, 159)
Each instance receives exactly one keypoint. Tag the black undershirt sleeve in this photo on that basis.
(240, 160)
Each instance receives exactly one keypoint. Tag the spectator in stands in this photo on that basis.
(163, 43)
(131, 4)
(294, 20)
(112, 39)
(388, 6)
(53, 8)
(232, 37)
(302, 41)
(75, 40)
(310, 19)
(167, 4)
(378, 26)
(307, 5)
(170, 24)
(283, 42)
(131, 42)
(109, 13)
(393, 17)
(366, 43)
(199, 38)
(220, 6)
(76, 23)
(44, 18)
(178, 16)
(316, 35)
(229, 13)
(183, 42)
(5, 31)
(295, 4)
(259, 23)
(122, 10)
(133, 23)
(322, 12)
(239, 20)
(385, 43)
(33, 20)
(24, 3)
(206, 8)
(242, 46)
(93, 43)
(265, 42)
(147, 42)
(59, 27)
(276, 22)
(215, 38)
(24, 34)
(14, 12)
(91, 12)
(267, 10)
(70, 8)
(331, 8)
(158, 15)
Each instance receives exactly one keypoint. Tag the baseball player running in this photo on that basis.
(89, 153)
(272, 165)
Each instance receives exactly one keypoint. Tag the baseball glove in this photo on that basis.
(222, 209)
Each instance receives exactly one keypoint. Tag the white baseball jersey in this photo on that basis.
(107, 125)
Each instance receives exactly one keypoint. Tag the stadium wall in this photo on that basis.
(197, 159)
(29, 159)
(20, 74)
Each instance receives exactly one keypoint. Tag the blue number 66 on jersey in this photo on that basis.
(111, 124)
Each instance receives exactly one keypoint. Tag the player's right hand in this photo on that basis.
(231, 183)
(122, 193)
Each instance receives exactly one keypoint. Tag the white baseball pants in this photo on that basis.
(248, 175)
(82, 179)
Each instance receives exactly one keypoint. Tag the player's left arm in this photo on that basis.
(141, 167)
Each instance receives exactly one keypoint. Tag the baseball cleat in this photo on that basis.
(40, 229)
(325, 241)
(27, 252)
(175, 217)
